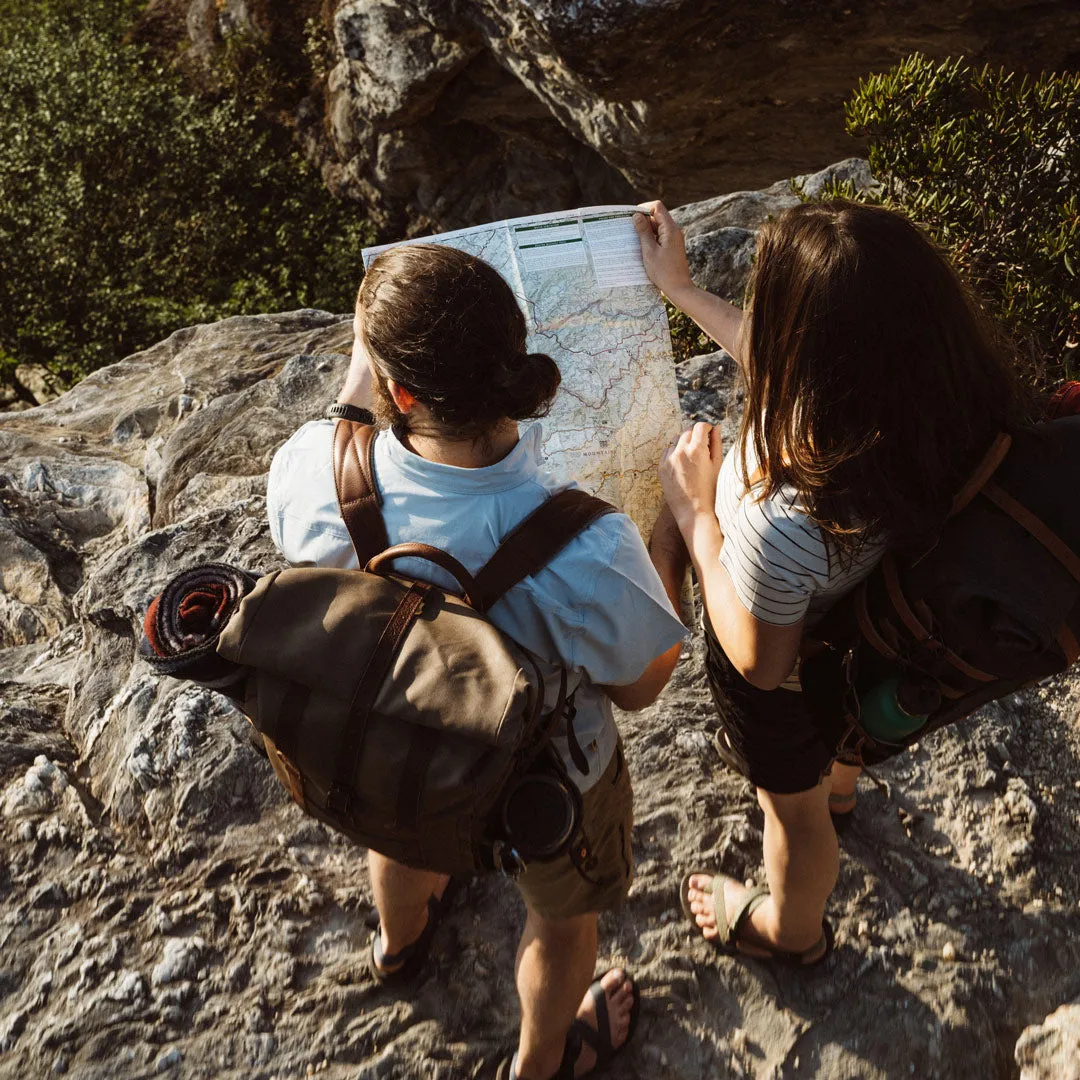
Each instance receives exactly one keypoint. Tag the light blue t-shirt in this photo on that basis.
(598, 607)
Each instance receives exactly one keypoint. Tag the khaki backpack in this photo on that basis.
(393, 710)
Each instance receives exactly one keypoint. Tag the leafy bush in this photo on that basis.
(989, 164)
(687, 338)
(130, 208)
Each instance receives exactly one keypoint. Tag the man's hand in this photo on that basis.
(688, 474)
(663, 250)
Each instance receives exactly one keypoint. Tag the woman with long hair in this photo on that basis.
(440, 356)
(872, 387)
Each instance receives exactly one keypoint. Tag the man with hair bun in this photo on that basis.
(440, 357)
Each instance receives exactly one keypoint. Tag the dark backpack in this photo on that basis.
(993, 606)
(393, 710)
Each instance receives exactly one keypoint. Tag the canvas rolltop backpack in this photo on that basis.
(993, 606)
(393, 710)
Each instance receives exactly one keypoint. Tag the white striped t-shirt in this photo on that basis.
(779, 562)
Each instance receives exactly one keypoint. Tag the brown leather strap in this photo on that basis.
(983, 471)
(1035, 526)
(923, 632)
(536, 541)
(899, 601)
(358, 493)
(1069, 645)
(381, 564)
(867, 628)
(367, 690)
(970, 670)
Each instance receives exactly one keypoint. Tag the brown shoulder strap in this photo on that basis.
(983, 471)
(536, 541)
(1035, 526)
(357, 492)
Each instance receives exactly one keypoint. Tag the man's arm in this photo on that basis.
(670, 558)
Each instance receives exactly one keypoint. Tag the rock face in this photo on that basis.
(1051, 1050)
(165, 910)
(441, 113)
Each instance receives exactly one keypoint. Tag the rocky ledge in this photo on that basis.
(449, 112)
(164, 909)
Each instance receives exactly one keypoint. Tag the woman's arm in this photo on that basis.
(663, 250)
(762, 653)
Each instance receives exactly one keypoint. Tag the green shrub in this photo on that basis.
(989, 164)
(687, 338)
(130, 208)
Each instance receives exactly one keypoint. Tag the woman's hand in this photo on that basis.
(663, 250)
(688, 475)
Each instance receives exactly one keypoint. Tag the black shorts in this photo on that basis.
(767, 735)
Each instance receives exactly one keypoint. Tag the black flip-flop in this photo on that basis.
(407, 963)
(598, 1038)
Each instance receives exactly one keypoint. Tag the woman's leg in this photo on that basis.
(802, 862)
(842, 792)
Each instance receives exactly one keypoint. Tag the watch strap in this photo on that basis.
(343, 411)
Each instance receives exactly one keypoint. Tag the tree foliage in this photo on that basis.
(129, 207)
(989, 163)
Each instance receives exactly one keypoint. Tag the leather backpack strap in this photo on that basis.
(358, 494)
(535, 542)
(983, 471)
(1042, 532)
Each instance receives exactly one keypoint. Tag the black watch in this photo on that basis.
(341, 411)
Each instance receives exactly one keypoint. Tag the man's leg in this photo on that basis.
(555, 964)
(802, 863)
(401, 898)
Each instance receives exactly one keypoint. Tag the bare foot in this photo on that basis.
(619, 991)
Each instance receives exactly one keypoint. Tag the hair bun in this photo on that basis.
(529, 383)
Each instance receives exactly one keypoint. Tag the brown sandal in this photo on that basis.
(729, 929)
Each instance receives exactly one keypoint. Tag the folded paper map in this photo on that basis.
(589, 305)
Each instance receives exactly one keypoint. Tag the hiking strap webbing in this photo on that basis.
(358, 494)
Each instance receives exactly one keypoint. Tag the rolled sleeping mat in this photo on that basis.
(184, 621)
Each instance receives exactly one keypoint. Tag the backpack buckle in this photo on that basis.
(338, 800)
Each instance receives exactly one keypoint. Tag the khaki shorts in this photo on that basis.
(557, 889)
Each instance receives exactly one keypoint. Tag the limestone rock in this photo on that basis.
(162, 903)
(440, 114)
(721, 233)
(1051, 1050)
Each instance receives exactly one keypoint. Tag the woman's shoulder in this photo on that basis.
(774, 525)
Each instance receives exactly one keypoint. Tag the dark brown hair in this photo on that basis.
(446, 326)
(873, 383)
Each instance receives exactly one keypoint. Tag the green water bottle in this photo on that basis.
(897, 707)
